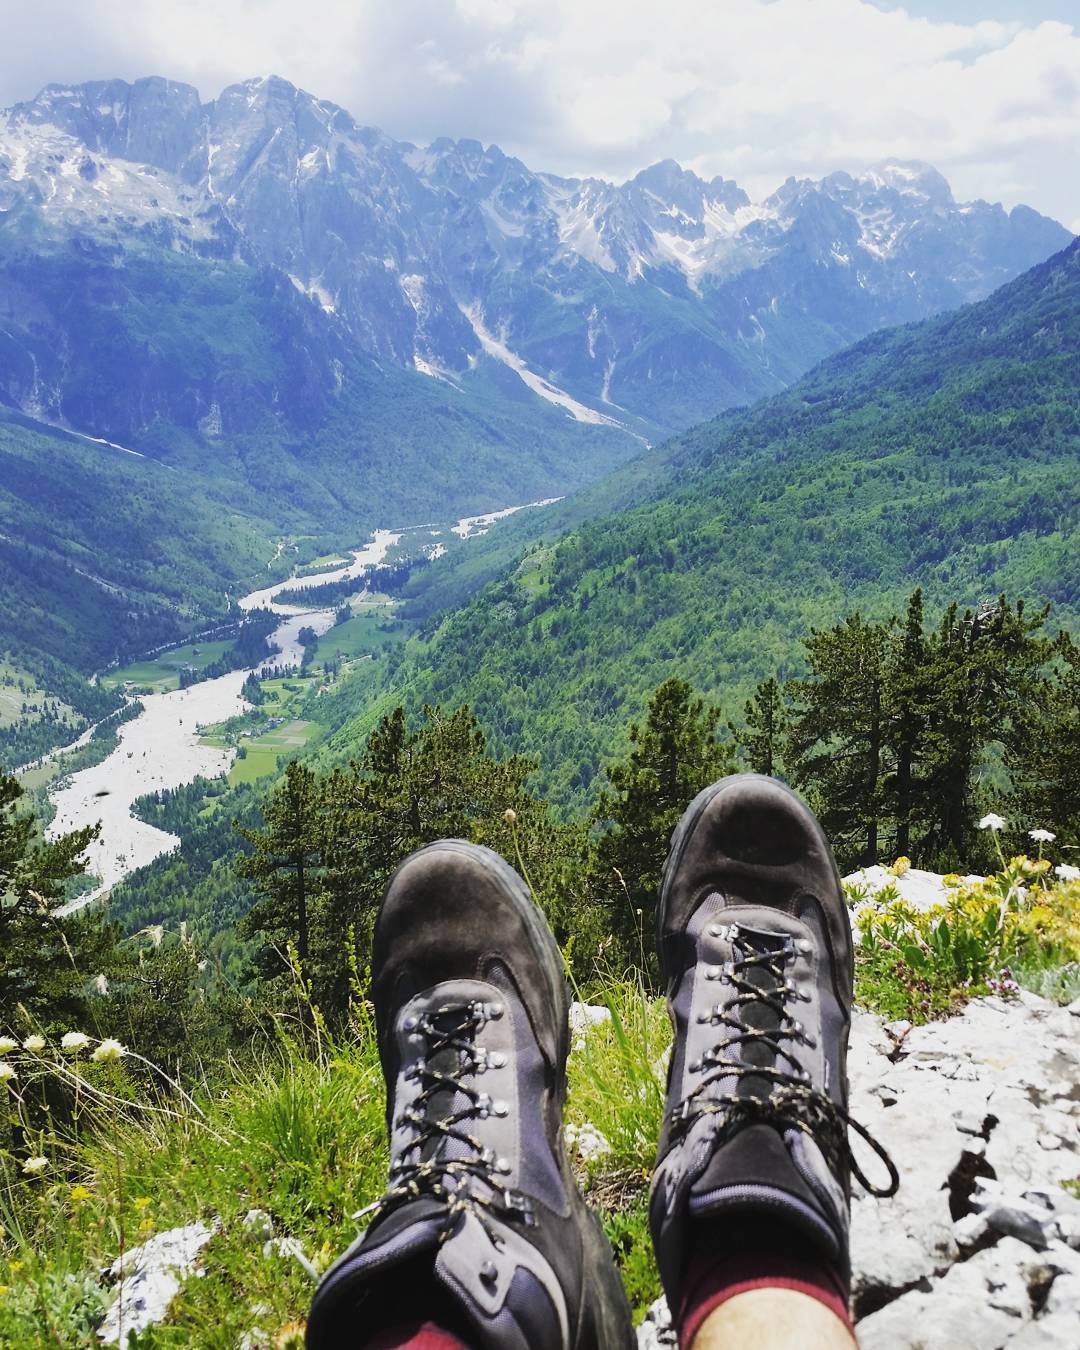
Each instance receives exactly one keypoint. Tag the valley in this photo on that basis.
(170, 743)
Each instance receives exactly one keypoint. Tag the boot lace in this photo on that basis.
(758, 973)
(443, 1158)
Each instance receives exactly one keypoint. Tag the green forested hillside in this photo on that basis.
(945, 453)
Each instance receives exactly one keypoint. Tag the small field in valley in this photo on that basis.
(162, 674)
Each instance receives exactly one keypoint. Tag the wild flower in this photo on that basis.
(71, 1042)
(35, 1044)
(992, 822)
(35, 1166)
(7, 1044)
(101, 985)
(108, 1052)
(1042, 836)
(1067, 872)
(7, 1071)
(900, 867)
(80, 1193)
(951, 880)
(510, 816)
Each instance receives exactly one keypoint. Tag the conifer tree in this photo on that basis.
(989, 686)
(674, 754)
(837, 743)
(1048, 792)
(762, 735)
(285, 864)
(908, 694)
(45, 961)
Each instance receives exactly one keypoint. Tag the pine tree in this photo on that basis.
(989, 687)
(837, 744)
(285, 863)
(908, 694)
(45, 960)
(1049, 788)
(762, 735)
(675, 753)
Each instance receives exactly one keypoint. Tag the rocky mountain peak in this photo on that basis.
(657, 298)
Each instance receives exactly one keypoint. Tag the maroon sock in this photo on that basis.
(415, 1336)
(717, 1270)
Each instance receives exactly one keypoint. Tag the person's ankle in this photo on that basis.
(727, 1260)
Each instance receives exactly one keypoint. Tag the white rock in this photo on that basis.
(655, 1331)
(150, 1277)
(585, 1015)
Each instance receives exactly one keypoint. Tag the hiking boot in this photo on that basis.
(482, 1228)
(756, 954)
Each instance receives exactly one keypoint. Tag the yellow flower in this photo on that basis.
(4, 1289)
(900, 866)
(141, 1201)
(80, 1193)
(951, 879)
(146, 1226)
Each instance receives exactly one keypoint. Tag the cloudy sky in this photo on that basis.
(988, 90)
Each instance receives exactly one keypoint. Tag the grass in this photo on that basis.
(162, 674)
(365, 634)
(261, 753)
(22, 699)
(296, 1132)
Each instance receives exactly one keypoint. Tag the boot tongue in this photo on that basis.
(757, 1172)
(758, 1167)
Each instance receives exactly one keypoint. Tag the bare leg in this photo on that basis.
(773, 1319)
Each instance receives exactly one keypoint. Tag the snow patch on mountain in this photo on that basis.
(501, 352)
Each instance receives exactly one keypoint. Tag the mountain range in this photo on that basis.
(640, 308)
(944, 454)
(303, 329)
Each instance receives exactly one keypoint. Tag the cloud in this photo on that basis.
(752, 89)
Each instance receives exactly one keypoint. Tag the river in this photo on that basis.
(162, 747)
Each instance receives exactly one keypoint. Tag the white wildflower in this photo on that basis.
(35, 1044)
(991, 822)
(510, 816)
(74, 1041)
(1067, 872)
(101, 985)
(1042, 836)
(33, 1166)
(7, 1044)
(108, 1052)
(7, 1073)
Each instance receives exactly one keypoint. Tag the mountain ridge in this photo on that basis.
(651, 303)
(943, 454)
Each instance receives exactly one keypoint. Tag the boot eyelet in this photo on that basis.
(713, 972)
(497, 1060)
(500, 1108)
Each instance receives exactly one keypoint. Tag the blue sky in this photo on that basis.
(986, 90)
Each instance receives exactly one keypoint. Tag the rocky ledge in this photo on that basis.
(980, 1248)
